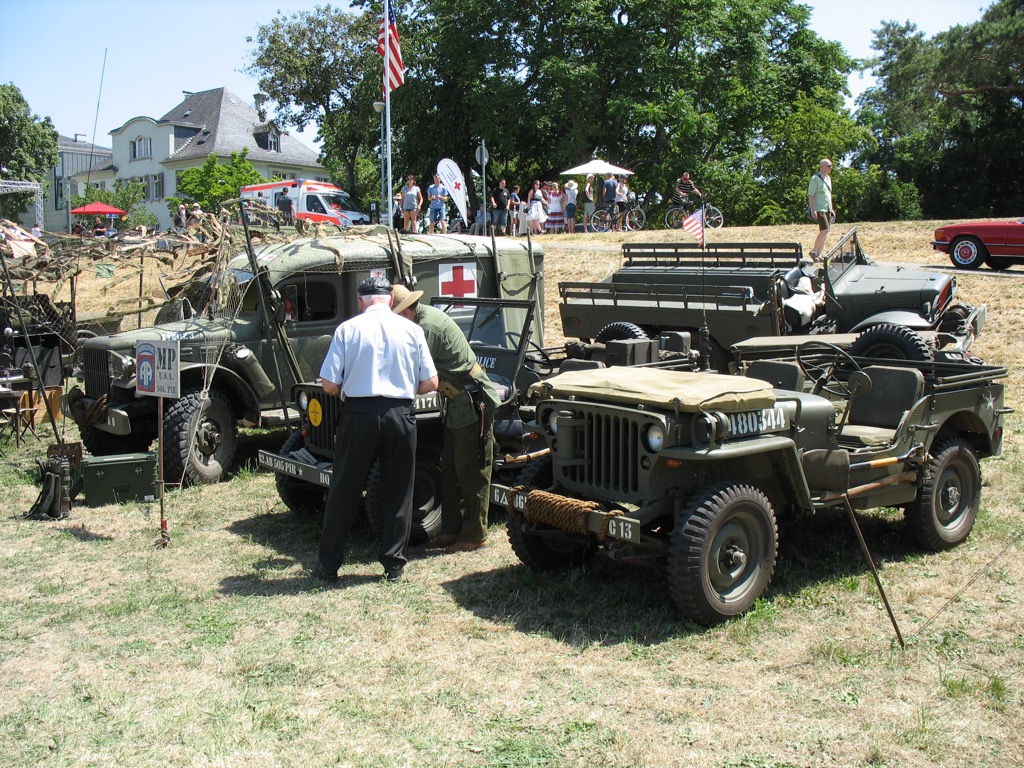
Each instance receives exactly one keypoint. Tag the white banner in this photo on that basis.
(452, 178)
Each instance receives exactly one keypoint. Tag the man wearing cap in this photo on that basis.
(285, 206)
(819, 204)
(468, 402)
(378, 363)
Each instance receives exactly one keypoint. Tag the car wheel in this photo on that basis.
(946, 507)
(722, 554)
(891, 342)
(540, 552)
(999, 263)
(967, 252)
(620, 331)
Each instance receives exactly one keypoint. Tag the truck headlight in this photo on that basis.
(121, 366)
(303, 401)
(654, 438)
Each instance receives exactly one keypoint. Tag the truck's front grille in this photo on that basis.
(606, 452)
(94, 372)
(321, 436)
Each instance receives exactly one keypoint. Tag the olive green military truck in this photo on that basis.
(746, 290)
(248, 336)
(694, 469)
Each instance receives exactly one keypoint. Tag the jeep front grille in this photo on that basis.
(601, 451)
(95, 372)
(321, 437)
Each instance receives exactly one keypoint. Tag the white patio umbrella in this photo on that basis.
(597, 167)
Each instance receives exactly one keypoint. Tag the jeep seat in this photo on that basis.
(875, 415)
(781, 374)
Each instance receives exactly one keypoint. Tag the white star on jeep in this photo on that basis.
(990, 401)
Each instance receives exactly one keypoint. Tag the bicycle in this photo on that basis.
(675, 215)
(633, 218)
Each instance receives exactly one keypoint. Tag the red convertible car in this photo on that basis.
(997, 243)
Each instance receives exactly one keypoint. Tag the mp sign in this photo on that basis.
(157, 369)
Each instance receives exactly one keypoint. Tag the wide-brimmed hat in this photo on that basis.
(571, 184)
(403, 298)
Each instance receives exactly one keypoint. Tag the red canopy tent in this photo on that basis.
(97, 209)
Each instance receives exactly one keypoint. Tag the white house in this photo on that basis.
(214, 122)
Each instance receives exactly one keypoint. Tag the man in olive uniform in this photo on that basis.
(469, 400)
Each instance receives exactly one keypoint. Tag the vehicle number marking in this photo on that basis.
(623, 528)
(315, 411)
(499, 495)
(755, 422)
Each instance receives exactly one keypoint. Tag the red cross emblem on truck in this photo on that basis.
(461, 284)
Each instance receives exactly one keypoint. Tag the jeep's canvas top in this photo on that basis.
(675, 390)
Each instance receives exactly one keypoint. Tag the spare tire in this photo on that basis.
(620, 331)
(892, 342)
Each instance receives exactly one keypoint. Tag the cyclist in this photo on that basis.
(681, 194)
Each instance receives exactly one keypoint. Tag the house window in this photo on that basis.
(58, 193)
(156, 186)
(274, 141)
(142, 147)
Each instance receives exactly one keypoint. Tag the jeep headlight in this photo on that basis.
(121, 366)
(303, 400)
(553, 421)
(654, 438)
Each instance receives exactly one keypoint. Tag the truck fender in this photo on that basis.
(894, 317)
(247, 405)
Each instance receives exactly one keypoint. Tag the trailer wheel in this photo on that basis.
(200, 436)
(891, 342)
(946, 507)
(300, 497)
(620, 331)
(722, 554)
(545, 553)
(426, 496)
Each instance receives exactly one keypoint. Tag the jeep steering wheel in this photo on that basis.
(819, 360)
(515, 338)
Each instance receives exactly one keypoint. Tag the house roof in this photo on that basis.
(218, 122)
(70, 144)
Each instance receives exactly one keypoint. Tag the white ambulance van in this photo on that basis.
(313, 200)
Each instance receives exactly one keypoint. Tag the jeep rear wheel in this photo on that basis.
(299, 496)
(426, 496)
(620, 331)
(891, 342)
(540, 552)
(199, 434)
(967, 252)
(947, 502)
(722, 554)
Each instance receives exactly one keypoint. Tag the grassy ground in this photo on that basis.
(220, 650)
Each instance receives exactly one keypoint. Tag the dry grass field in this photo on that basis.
(221, 650)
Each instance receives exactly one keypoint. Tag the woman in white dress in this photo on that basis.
(536, 215)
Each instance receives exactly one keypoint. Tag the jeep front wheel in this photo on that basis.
(946, 507)
(199, 437)
(722, 554)
(299, 496)
(549, 549)
(426, 496)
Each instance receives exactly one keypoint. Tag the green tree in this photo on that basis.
(28, 147)
(129, 196)
(213, 182)
(313, 65)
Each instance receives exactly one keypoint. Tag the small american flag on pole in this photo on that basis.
(694, 225)
(389, 46)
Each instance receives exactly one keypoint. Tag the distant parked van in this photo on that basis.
(313, 200)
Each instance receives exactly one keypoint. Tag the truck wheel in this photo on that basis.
(100, 443)
(426, 497)
(947, 502)
(967, 252)
(620, 331)
(200, 438)
(722, 554)
(891, 342)
(300, 497)
(545, 553)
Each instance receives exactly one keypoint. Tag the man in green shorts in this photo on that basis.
(819, 205)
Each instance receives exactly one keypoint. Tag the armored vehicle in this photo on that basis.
(695, 469)
(745, 290)
(248, 336)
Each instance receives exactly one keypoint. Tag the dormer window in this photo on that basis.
(142, 147)
(274, 141)
(268, 138)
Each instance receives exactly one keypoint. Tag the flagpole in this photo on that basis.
(387, 109)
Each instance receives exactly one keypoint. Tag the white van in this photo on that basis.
(313, 200)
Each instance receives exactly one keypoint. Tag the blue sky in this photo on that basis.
(54, 50)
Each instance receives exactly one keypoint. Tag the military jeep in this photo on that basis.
(694, 469)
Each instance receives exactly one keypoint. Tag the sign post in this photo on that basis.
(158, 375)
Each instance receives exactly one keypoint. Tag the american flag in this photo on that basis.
(694, 225)
(388, 35)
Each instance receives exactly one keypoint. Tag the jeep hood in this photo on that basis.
(193, 331)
